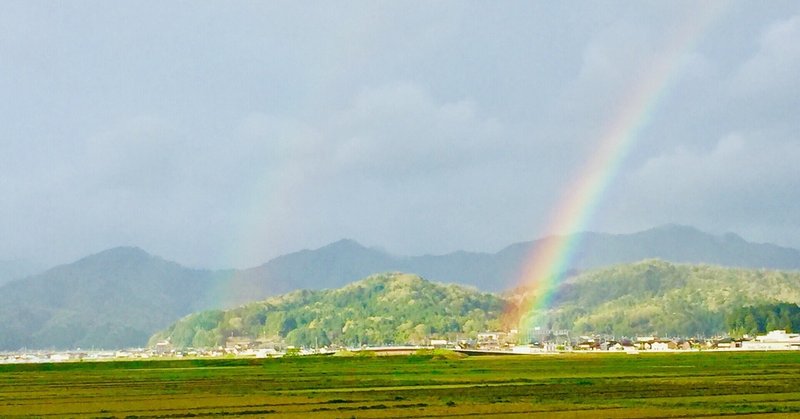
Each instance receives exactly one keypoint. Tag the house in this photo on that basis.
(659, 346)
(645, 343)
(59, 357)
(492, 340)
(588, 344)
(682, 345)
(390, 350)
(238, 343)
(628, 346)
(725, 343)
(163, 347)
(491, 336)
(439, 343)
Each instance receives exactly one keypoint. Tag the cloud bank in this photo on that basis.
(224, 136)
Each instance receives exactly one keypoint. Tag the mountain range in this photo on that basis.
(119, 297)
(338, 263)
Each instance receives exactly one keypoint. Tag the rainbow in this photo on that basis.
(546, 265)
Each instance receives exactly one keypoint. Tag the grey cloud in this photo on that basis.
(400, 127)
(740, 185)
(370, 164)
(775, 66)
(225, 135)
(391, 130)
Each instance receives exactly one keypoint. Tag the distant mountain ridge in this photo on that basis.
(111, 299)
(683, 244)
(121, 296)
(335, 264)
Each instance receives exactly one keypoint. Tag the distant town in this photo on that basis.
(487, 343)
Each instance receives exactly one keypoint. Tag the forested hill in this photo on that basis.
(381, 309)
(658, 297)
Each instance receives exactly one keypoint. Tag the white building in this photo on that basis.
(659, 346)
(774, 340)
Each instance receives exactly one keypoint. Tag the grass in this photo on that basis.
(766, 384)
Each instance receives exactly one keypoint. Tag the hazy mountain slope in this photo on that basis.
(338, 263)
(683, 244)
(381, 309)
(115, 298)
(16, 269)
(482, 270)
(330, 266)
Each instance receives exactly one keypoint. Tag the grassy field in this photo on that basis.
(763, 384)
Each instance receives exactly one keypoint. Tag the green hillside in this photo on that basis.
(381, 309)
(657, 297)
(649, 297)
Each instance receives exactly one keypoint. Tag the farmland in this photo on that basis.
(766, 384)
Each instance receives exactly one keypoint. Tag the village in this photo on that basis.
(486, 343)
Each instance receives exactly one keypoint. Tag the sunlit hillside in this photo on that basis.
(390, 308)
(658, 297)
(644, 298)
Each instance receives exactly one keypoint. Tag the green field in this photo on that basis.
(766, 384)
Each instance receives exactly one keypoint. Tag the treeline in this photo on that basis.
(753, 320)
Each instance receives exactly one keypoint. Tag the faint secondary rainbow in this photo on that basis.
(547, 263)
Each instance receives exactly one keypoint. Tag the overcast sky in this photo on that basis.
(223, 134)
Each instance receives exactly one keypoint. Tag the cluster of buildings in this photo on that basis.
(41, 356)
(484, 343)
(774, 340)
(161, 350)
